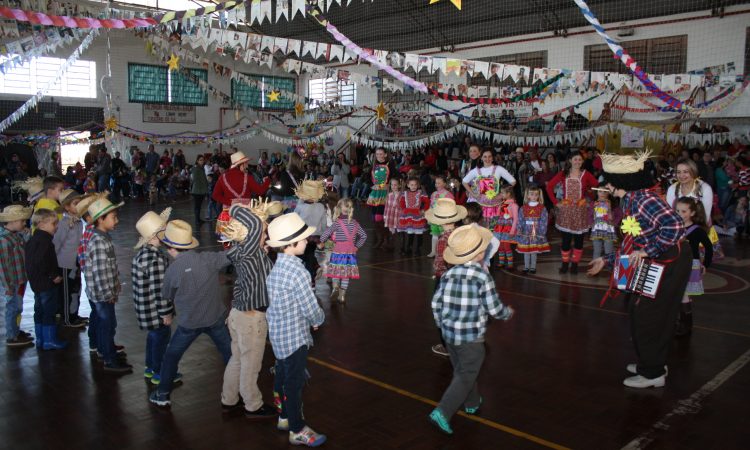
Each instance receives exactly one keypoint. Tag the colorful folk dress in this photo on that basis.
(348, 237)
(573, 210)
(381, 174)
(392, 211)
(604, 220)
(506, 222)
(487, 194)
(531, 234)
(413, 206)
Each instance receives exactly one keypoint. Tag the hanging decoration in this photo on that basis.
(40, 43)
(381, 111)
(32, 102)
(173, 62)
(273, 96)
(111, 123)
(456, 3)
(299, 110)
(533, 92)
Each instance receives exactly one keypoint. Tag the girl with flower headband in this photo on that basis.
(571, 215)
(653, 232)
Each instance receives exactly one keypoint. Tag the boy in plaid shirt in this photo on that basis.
(461, 306)
(13, 234)
(154, 312)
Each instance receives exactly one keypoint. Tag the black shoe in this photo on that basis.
(265, 412)
(118, 367)
(19, 341)
(25, 334)
(226, 409)
(75, 322)
(532, 271)
(574, 268)
(564, 268)
(685, 322)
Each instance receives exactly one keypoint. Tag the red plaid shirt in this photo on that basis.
(85, 238)
(13, 273)
(439, 266)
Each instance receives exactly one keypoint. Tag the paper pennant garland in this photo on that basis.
(456, 3)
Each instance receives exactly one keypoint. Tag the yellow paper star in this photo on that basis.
(456, 3)
(273, 96)
(299, 109)
(381, 111)
(173, 63)
(111, 123)
(631, 226)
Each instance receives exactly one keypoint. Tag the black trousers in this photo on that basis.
(652, 321)
(69, 295)
(567, 237)
(197, 203)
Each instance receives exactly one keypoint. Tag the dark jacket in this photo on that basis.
(41, 262)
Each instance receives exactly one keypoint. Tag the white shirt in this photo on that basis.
(707, 196)
(497, 171)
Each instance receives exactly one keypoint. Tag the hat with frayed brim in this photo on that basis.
(238, 158)
(465, 243)
(274, 208)
(149, 224)
(86, 201)
(102, 207)
(15, 212)
(310, 191)
(32, 186)
(445, 211)
(178, 234)
(68, 195)
(288, 229)
(624, 164)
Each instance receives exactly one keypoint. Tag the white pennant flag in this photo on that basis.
(482, 67)
(294, 46)
(337, 51)
(255, 12)
(297, 5)
(265, 11)
(282, 9)
(309, 47)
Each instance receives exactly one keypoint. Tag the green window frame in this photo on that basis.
(255, 98)
(149, 83)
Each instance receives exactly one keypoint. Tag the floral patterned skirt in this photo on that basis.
(342, 265)
(573, 218)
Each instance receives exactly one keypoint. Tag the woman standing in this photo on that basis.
(572, 212)
(483, 187)
(383, 169)
(340, 171)
(473, 162)
(198, 188)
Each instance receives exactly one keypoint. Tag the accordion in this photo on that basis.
(641, 279)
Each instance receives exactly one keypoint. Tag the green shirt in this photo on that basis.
(199, 184)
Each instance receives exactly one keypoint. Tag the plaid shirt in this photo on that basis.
(463, 302)
(88, 231)
(439, 266)
(661, 227)
(148, 268)
(102, 281)
(293, 309)
(13, 273)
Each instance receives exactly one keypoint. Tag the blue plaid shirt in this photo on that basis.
(463, 303)
(293, 308)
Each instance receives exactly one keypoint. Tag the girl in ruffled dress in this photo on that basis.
(603, 232)
(348, 237)
(531, 233)
(411, 221)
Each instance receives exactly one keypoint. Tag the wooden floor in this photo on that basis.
(552, 377)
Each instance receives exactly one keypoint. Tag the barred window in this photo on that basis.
(156, 84)
(340, 92)
(34, 76)
(257, 98)
(667, 55)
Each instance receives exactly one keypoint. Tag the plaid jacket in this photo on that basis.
(13, 273)
(293, 309)
(148, 268)
(102, 280)
(88, 231)
(463, 302)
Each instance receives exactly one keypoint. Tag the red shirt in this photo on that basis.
(587, 182)
(234, 184)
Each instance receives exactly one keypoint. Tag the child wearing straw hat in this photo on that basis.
(66, 240)
(464, 301)
(153, 311)
(13, 234)
(103, 282)
(190, 283)
(293, 309)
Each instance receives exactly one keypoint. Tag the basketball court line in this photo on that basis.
(413, 396)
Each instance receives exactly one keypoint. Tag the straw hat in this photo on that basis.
(101, 207)
(238, 158)
(15, 212)
(149, 224)
(178, 234)
(33, 186)
(274, 208)
(68, 195)
(465, 243)
(310, 190)
(624, 164)
(86, 201)
(445, 211)
(287, 229)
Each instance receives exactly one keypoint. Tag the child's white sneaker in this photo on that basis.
(639, 381)
(308, 437)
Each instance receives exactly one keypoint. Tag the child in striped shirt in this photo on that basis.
(348, 237)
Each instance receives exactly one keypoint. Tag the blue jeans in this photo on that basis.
(156, 345)
(13, 310)
(103, 183)
(181, 341)
(45, 307)
(106, 324)
(93, 323)
(288, 383)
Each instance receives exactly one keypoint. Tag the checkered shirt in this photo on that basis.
(464, 301)
(102, 279)
(13, 273)
(88, 231)
(439, 266)
(147, 271)
(293, 307)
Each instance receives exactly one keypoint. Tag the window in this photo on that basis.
(408, 95)
(340, 92)
(253, 97)
(156, 84)
(79, 81)
(529, 59)
(665, 55)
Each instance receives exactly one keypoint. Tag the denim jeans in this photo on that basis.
(45, 307)
(288, 383)
(92, 331)
(13, 310)
(181, 341)
(156, 345)
(106, 324)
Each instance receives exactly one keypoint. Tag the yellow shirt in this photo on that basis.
(48, 203)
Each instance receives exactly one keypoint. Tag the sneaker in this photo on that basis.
(282, 424)
(265, 412)
(19, 341)
(439, 349)
(148, 373)
(525, 270)
(159, 399)
(532, 271)
(226, 409)
(639, 381)
(633, 368)
(475, 410)
(156, 379)
(118, 367)
(120, 349)
(307, 437)
(438, 419)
